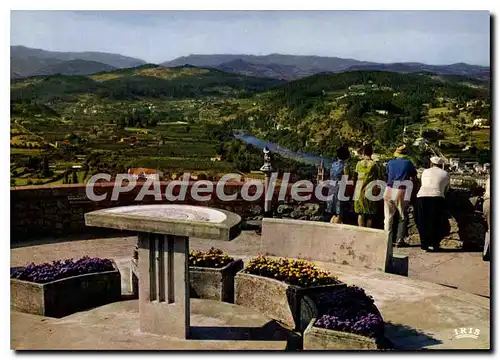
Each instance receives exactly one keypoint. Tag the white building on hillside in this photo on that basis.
(480, 122)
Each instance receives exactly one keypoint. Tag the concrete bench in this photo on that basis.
(337, 243)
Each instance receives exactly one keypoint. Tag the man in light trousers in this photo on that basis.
(401, 178)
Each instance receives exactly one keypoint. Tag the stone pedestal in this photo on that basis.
(164, 285)
(163, 252)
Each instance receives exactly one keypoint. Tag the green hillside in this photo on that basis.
(147, 81)
(182, 118)
(318, 113)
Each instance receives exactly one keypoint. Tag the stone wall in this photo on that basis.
(464, 226)
(38, 211)
(42, 211)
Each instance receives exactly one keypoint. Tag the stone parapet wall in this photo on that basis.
(58, 210)
(46, 211)
(39, 211)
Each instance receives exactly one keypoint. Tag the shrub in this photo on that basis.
(293, 272)
(213, 258)
(349, 310)
(62, 269)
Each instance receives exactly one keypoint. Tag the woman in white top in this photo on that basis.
(430, 204)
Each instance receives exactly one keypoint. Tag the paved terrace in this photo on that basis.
(428, 311)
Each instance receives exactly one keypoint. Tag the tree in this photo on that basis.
(121, 122)
(74, 180)
(45, 167)
(33, 163)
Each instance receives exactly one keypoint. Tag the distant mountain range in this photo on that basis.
(290, 67)
(74, 67)
(462, 69)
(274, 71)
(286, 67)
(30, 62)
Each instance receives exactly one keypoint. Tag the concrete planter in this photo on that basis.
(316, 338)
(205, 283)
(212, 283)
(66, 296)
(292, 305)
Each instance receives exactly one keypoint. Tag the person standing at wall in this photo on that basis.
(367, 170)
(340, 167)
(487, 215)
(396, 200)
(431, 204)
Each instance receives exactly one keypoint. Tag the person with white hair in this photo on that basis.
(431, 204)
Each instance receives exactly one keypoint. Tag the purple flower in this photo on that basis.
(349, 310)
(43, 273)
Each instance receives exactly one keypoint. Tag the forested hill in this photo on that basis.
(378, 89)
(143, 82)
(318, 113)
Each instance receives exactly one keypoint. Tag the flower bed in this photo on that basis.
(348, 319)
(316, 338)
(283, 289)
(64, 287)
(62, 269)
(213, 258)
(211, 275)
(350, 310)
(294, 272)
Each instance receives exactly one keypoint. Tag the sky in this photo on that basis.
(432, 37)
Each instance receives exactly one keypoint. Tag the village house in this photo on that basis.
(144, 173)
(454, 163)
(481, 122)
(131, 139)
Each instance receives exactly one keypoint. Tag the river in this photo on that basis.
(294, 155)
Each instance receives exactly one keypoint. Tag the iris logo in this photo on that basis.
(470, 333)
